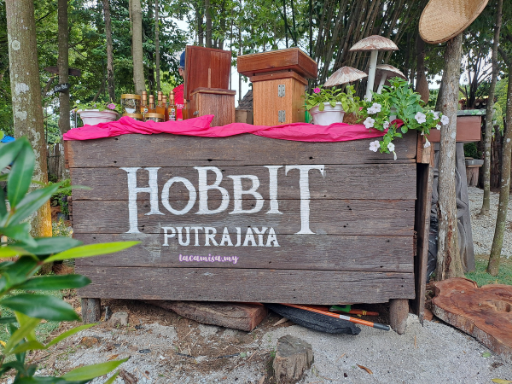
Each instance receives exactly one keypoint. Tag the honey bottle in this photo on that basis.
(160, 106)
(171, 110)
(144, 104)
(166, 110)
(151, 108)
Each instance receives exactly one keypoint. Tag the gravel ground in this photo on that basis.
(483, 226)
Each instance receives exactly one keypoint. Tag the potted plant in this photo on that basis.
(96, 112)
(395, 111)
(329, 105)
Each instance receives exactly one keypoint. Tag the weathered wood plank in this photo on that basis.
(378, 181)
(245, 149)
(316, 252)
(246, 285)
(353, 217)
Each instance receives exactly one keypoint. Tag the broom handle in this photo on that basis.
(343, 317)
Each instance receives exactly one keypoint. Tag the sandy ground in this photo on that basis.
(165, 348)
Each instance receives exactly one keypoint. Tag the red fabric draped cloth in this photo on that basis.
(200, 126)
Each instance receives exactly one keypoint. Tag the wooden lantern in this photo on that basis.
(279, 84)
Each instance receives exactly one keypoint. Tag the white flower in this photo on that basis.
(368, 123)
(371, 110)
(420, 117)
(78, 101)
(391, 147)
(427, 144)
(374, 146)
(376, 107)
(436, 115)
(385, 125)
(445, 120)
(438, 127)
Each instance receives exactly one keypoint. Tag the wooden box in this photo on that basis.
(292, 58)
(213, 101)
(206, 68)
(469, 129)
(279, 84)
(227, 219)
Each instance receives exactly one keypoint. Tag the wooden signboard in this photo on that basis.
(246, 219)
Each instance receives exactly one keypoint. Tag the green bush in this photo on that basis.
(18, 278)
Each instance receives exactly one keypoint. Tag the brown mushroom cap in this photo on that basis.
(390, 71)
(374, 43)
(344, 75)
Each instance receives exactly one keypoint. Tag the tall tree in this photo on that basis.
(26, 96)
(486, 202)
(110, 54)
(63, 65)
(138, 56)
(157, 46)
(208, 13)
(506, 158)
(449, 263)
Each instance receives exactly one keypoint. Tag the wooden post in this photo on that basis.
(398, 312)
(91, 310)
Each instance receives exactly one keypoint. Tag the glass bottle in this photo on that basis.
(171, 110)
(160, 105)
(144, 103)
(151, 107)
(164, 101)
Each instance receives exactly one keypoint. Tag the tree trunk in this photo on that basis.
(157, 48)
(63, 65)
(138, 64)
(200, 29)
(448, 258)
(110, 55)
(26, 97)
(208, 13)
(501, 220)
(486, 202)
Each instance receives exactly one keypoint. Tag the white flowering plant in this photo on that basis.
(398, 102)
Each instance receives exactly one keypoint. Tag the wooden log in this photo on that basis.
(293, 357)
(246, 285)
(316, 252)
(472, 175)
(244, 317)
(398, 312)
(176, 150)
(484, 313)
(91, 310)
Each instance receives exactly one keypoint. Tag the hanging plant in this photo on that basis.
(395, 111)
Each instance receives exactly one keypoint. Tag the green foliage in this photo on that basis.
(18, 278)
(471, 150)
(99, 105)
(321, 96)
(481, 277)
(401, 101)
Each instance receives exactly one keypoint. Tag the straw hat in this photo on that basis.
(443, 19)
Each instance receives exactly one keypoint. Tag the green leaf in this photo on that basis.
(32, 202)
(47, 380)
(7, 320)
(19, 232)
(49, 245)
(321, 106)
(486, 354)
(3, 207)
(71, 332)
(21, 173)
(112, 378)
(55, 282)
(9, 152)
(92, 250)
(12, 251)
(22, 332)
(28, 346)
(92, 371)
(41, 307)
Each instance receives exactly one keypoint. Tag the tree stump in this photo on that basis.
(91, 310)
(398, 312)
(293, 357)
(484, 313)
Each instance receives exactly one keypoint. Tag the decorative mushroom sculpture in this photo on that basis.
(385, 71)
(344, 75)
(374, 44)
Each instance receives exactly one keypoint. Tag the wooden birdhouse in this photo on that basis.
(279, 80)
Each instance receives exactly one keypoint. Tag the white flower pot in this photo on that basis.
(94, 116)
(329, 115)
